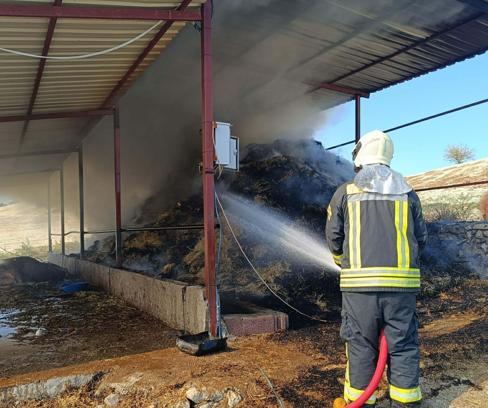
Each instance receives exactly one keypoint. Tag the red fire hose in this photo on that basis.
(380, 368)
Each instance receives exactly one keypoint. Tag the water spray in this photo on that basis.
(290, 243)
(272, 227)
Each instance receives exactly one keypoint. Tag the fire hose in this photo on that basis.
(373, 385)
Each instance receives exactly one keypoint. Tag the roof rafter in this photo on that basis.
(40, 71)
(39, 153)
(341, 89)
(99, 12)
(115, 93)
(56, 115)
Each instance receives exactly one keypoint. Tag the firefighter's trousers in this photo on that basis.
(364, 314)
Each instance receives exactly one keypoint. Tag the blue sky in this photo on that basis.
(421, 147)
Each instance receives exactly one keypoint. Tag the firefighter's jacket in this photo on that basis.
(375, 231)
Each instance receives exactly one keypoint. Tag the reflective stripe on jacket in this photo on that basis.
(376, 239)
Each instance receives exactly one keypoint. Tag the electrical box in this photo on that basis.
(226, 146)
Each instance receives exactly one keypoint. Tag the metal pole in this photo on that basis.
(118, 211)
(49, 223)
(208, 165)
(81, 193)
(357, 99)
(61, 195)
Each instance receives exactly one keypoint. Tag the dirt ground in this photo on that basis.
(304, 366)
(41, 327)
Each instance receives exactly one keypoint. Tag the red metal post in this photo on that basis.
(357, 99)
(49, 222)
(61, 201)
(118, 208)
(81, 194)
(208, 165)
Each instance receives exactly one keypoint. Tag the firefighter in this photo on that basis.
(375, 230)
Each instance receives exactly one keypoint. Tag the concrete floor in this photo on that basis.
(41, 327)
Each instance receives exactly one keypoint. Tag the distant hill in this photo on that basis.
(452, 203)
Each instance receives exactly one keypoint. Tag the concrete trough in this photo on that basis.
(179, 305)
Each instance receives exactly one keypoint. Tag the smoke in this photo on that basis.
(266, 52)
(160, 115)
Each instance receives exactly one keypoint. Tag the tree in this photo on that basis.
(458, 154)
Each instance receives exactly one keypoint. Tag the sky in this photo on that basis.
(421, 147)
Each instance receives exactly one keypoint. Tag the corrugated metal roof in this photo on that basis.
(366, 45)
(76, 84)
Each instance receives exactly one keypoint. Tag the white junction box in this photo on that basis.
(226, 146)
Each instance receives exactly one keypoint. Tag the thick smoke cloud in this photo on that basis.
(265, 54)
(160, 115)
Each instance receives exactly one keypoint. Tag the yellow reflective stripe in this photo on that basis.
(401, 226)
(348, 273)
(329, 212)
(350, 393)
(405, 395)
(404, 234)
(398, 234)
(380, 285)
(352, 258)
(338, 259)
(383, 275)
(382, 268)
(382, 279)
(353, 189)
(358, 233)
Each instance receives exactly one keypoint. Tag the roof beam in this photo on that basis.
(24, 173)
(98, 12)
(40, 71)
(341, 89)
(56, 115)
(115, 93)
(32, 154)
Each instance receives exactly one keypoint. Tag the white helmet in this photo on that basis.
(374, 147)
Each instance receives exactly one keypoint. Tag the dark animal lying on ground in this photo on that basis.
(24, 269)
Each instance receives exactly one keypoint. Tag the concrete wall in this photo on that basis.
(177, 304)
(461, 246)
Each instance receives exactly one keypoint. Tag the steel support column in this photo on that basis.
(118, 208)
(49, 223)
(208, 165)
(61, 195)
(357, 99)
(81, 193)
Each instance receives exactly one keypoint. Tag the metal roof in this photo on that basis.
(365, 46)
